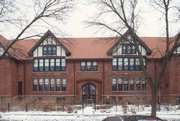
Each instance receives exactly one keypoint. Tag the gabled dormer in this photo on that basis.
(49, 45)
(125, 55)
(125, 46)
(49, 54)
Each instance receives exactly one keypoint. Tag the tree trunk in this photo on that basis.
(154, 102)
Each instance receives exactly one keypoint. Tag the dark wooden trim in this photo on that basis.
(48, 33)
(110, 51)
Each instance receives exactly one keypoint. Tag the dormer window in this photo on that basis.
(128, 49)
(49, 50)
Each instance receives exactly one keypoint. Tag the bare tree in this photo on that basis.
(125, 16)
(43, 10)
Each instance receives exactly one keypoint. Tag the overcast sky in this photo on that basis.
(152, 23)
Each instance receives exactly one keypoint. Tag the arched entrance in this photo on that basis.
(88, 93)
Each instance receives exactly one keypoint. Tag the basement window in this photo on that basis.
(177, 100)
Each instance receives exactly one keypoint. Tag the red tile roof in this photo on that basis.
(83, 48)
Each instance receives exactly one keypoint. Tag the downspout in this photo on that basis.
(103, 82)
(24, 77)
(74, 81)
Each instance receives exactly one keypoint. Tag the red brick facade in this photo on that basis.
(14, 71)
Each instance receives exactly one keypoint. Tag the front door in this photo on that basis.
(89, 93)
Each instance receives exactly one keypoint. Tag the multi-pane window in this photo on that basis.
(128, 49)
(131, 84)
(83, 66)
(89, 66)
(49, 50)
(143, 84)
(114, 64)
(58, 83)
(127, 64)
(120, 64)
(63, 64)
(120, 84)
(113, 84)
(46, 84)
(131, 64)
(52, 85)
(49, 65)
(63, 84)
(35, 83)
(49, 84)
(58, 63)
(41, 64)
(137, 64)
(46, 64)
(137, 84)
(35, 65)
(40, 84)
(128, 84)
(52, 64)
(125, 84)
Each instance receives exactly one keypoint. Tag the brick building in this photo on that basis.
(86, 69)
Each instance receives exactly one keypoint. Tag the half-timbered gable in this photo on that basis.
(126, 45)
(49, 45)
(125, 53)
(49, 54)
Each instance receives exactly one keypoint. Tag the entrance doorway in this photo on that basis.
(89, 93)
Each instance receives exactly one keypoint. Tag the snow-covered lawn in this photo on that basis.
(170, 113)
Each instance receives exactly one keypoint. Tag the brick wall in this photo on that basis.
(12, 72)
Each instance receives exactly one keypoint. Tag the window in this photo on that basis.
(177, 100)
(52, 64)
(120, 64)
(83, 66)
(131, 64)
(113, 84)
(45, 50)
(49, 65)
(36, 65)
(131, 84)
(137, 64)
(41, 64)
(137, 84)
(63, 64)
(119, 84)
(128, 49)
(57, 84)
(49, 85)
(49, 50)
(46, 85)
(40, 84)
(46, 64)
(20, 88)
(125, 84)
(89, 66)
(127, 64)
(58, 61)
(35, 82)
(143, 84)
(94, 66)
(52, 85)
(63, 84)
(114, 64)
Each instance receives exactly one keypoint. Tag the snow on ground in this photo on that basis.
(169, 113)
